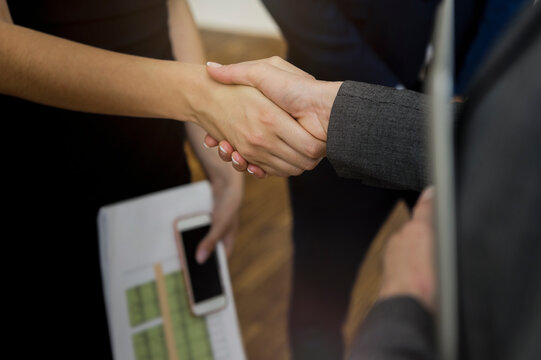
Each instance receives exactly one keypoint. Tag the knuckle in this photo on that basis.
(248, 152)
(311, 165)
(270, 171)
(297, 171)
(256, 139)
(254, 73)
(313, 150)
(275, 60)
(267, 119)
(258, 69)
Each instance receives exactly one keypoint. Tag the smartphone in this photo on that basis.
(204, 281)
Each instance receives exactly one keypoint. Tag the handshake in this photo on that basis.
(280, 128)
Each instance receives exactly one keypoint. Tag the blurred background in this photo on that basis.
(260, 266)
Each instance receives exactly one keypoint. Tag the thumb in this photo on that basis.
(230, 74)
(425, 205)
(209, 141)
(207, 245)
(272, 81)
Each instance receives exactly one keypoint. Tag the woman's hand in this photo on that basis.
(227, 190)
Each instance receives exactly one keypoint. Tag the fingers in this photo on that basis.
(210, 142)
(239, 163)
(225, 150)
(256, 171)
(280, 158)
(300, 140)
(244, 73)
(296, 146)
(286, 66)
(229, 240)
(424, 208)
(221, 226)
(230, 74)
(269, 79)
(207, 245)
(279, 167)
(275, 165)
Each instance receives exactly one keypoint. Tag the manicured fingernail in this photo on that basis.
(213, 64)
(205, 145)
(201, 256)
(250, 171)
(222, 149)
(234, 161)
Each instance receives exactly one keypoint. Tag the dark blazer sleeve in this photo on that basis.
(378, 134)
(398, 328)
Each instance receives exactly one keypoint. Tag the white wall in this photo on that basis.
(241, 16)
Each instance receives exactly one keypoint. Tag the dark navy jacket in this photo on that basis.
(384, 41)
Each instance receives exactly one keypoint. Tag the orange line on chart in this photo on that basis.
(166, 313)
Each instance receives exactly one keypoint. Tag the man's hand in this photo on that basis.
(307, 100)
(408, 265)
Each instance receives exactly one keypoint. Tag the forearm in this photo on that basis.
(5, 16)
(185, 38)
(188, 47)
(57, 72)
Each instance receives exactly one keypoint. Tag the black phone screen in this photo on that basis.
(204, 278)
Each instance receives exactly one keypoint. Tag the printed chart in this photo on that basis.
(190, 339)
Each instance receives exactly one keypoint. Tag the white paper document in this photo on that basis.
(141, 272)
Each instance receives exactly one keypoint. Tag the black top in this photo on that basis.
(60, 166)
(137, 27)
(119, 157)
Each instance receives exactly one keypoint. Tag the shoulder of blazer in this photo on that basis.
(523, 32)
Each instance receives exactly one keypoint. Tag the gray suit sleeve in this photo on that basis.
(377, 134)
(397, 328)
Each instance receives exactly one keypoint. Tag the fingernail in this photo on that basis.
(205, 145)
(250, 171)
(213, 64)
(234, 161)
(222, 149)
(428, 193)
(201, 256)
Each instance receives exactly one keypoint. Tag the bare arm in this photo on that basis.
(57, 72)
(185, 38)
(227, 184)
(5, 16)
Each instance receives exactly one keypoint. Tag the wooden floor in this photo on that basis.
(260, 265)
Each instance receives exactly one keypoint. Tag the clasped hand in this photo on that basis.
(307, 102)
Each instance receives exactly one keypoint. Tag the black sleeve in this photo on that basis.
(377, 134)
(398, 328)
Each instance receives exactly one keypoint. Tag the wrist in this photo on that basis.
(188, 87)
(418, 289)
(328, 92)
(230, 181)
